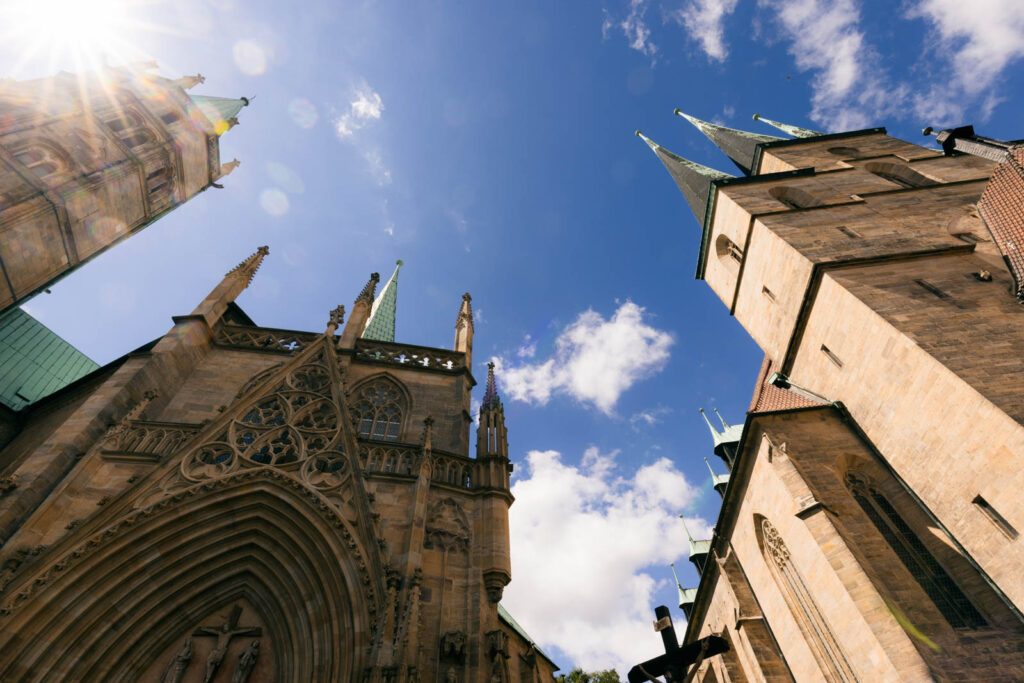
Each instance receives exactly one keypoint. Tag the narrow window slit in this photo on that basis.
(997, 519)
(768, 293)
(933, 289)
(831, 356)
(849, 232)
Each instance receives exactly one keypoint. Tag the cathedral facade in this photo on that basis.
(869, 528)
(231, 502)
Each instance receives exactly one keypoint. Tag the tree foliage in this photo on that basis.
(578, 675)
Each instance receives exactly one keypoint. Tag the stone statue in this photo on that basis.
(228, 630)
(246, 662)
(176, 669)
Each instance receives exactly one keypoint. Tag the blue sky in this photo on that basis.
(490, 146)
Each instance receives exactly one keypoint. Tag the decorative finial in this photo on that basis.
(335, 319)
(369, 289)
(249, 266)
(465, 316)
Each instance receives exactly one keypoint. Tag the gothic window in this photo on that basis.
(921, 564)
(378, 410)
(830, 657)
(124, 119)
(902, 175)
(138, 139)
(794, 197)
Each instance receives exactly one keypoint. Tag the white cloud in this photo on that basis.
(379, 171)
(528, 349)
(634, 28)
(366, 106)
(703, 20)
(595, 360)
(850, 89)
(587, 583)
(977, 41)
(648, 417)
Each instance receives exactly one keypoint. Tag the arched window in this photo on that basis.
(830, 657)
(902, 175)
(727, 249)
(378, 409)
(921, 564)
(138, 139)
(124, 119)
(41, 160)
(844, 152)
(794, 197)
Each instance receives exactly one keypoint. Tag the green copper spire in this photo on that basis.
(381, 324)
(693, 179)
(221, 111)
(795, 131)
(738, 145)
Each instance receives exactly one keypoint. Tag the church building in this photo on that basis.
(871, 512)
(233, 503)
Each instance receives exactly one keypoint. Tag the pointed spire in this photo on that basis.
(699, 549)
(693, 179)
(795, 131)
(233, 284)
(724, 442)
(738, 145)
(679, 586)
(714, 432)
(249, 266)
(220, 111)
(226, 169)
(491, 393)
(360, 313)
(725, 425)
(381, 324)
(719, 482)
(369, 289)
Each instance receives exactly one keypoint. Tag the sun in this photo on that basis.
(79, 33)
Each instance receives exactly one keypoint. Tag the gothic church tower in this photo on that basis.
(870, 524)
(89, 159)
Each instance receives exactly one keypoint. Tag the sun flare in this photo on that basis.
(81, 33)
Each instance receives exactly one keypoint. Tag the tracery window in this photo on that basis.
(921, 564)
(830, 657)
(378, 409)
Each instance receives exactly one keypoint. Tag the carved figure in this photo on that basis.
(224, 633)
(246, 662)
(176, 669)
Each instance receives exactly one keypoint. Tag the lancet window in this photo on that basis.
(921, 564)
(830, 657)
(378, 409)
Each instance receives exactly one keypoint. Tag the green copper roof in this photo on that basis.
(381, 324)
(219, 110)
(514, 625)
(795, 131)
(693, 179)
(35, 362)
(738, 145)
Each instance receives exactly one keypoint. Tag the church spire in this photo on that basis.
(726, 441)
(491, 435)
(234, 283)
(738, 145)
(222, 112)
(360, 313)
(694, 180)
(795, 131)
(381, 324)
